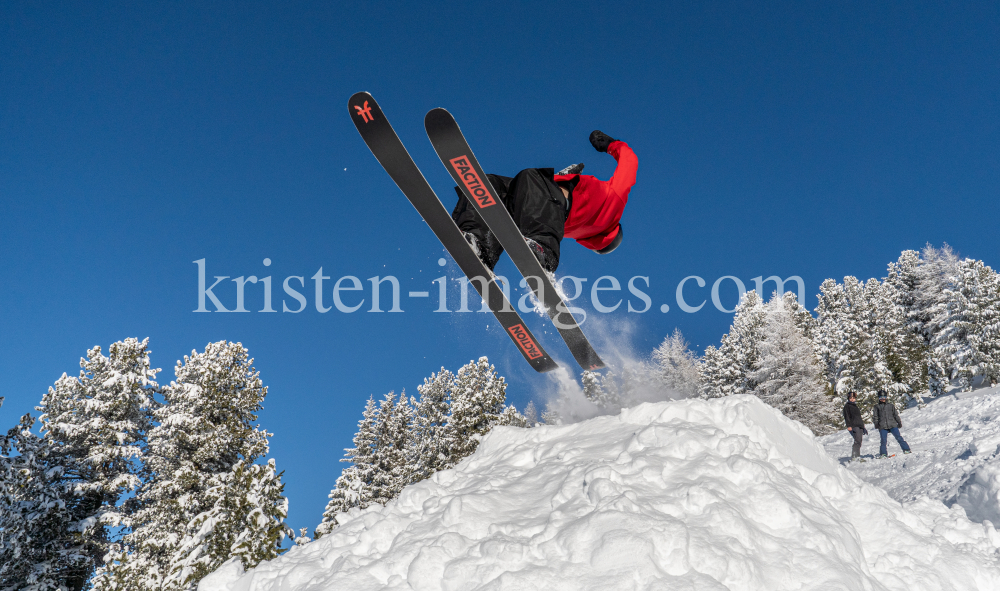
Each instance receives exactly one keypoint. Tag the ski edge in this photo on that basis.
(512, 322)
(436, 124)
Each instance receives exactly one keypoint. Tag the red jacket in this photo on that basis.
(598, 205)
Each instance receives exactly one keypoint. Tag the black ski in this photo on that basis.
(457, 157)
(389, 151)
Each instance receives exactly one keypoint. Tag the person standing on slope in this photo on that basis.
(887, 421)
(855, 424)
(547, 206)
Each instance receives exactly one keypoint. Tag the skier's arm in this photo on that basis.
(623, 179)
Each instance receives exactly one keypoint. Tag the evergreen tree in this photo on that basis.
(711, 373)
(788, 376)
(968, 323)
(400, 442)
(476, 405)
(391, 471)
(38, 549)
(244, 521)
(907, 357)
(840, 338)
(531, 414)
(936, 276)
(803, 320)
(432, 436)
(605, 398)
(353, 487)
(511, 418)
(676, 366)
(205, 499)
(729, 369)
(97, 423)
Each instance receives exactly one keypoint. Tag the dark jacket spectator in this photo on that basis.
(852, 416)
(886, 416)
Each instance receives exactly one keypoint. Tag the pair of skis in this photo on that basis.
(458, 159)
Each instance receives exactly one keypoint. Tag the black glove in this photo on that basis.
(601, 140)
(864, 431)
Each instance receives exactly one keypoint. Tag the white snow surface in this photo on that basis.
(955, 439)
(691, 495)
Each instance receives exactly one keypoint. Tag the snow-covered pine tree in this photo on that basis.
(803, 320)
(936, 275)
(729, 369)
(206, 499)
(431, 440)
(986, 338)
(909, 362)
(38, 549)
(100, 419)
(908, 358)
(531, 414)
(863, 340)
(391, 470)
(353, 487)
(511, 418)
(676, 366)
(400, 442)
(839, 338)
(894, 365)
(879, 352)
(595, 391)
(711, 373)
(246, 522)
(477, 402)
(968, 325)
(788, 375)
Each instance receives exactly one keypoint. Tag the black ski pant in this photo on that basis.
(535, 202)
(856, 448)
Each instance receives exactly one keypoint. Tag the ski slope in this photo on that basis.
(954, 441)
(692, 494)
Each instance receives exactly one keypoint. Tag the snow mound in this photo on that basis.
(955, 460)
(692, 494)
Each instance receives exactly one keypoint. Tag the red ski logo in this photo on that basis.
(525, 341)
(365, 112)
(476, 187)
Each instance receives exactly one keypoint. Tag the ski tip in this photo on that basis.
(546, 366)
(437, 116)
(359, 95)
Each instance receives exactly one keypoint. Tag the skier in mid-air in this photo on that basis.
(547, 206)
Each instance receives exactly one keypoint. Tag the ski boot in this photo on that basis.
(543, 256)
(488, 249)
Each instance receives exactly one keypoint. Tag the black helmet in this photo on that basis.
(882, 395)
(614, 243)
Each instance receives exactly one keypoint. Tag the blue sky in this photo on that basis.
(800, 138)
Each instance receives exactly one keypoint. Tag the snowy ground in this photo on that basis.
(694, 495)
(954, 441)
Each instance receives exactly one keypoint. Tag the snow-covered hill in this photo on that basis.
(954, 460)
(720, 494)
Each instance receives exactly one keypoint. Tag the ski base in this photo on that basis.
(457, 157)
(387, 148)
